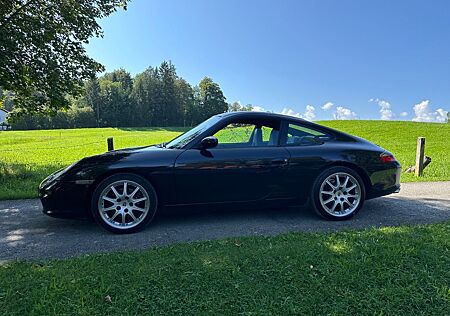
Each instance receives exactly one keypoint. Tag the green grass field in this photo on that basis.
(384, 271)
(27, 157)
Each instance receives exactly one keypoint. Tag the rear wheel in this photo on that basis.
(124, 203)
(338, 193)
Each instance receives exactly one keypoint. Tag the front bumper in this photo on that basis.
(64, 199)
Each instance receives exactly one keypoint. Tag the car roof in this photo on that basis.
(268, 115)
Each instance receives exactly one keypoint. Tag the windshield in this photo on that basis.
(184, 139)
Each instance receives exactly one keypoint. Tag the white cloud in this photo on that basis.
(309, 113)
(403, 114)
(258, 108)
(442, 115)
(285, 111)
(423, 113)
(343, 113)
(290, 112)
(385, 109)
(327, 106)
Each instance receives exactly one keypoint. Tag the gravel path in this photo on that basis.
(27, 234)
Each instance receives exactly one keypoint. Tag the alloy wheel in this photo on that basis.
(340, 194)
(123, 204)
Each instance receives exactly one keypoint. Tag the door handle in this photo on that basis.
(279, 161)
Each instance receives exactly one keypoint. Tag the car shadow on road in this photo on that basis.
(385, 211)
(25, 233)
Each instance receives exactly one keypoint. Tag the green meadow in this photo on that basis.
(27, 157)
(378, 271)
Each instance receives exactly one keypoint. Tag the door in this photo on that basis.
(307, 146)
(247, 165)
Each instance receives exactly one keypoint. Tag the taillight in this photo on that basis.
(386, 158)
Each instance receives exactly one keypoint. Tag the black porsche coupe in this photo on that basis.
(232, 159)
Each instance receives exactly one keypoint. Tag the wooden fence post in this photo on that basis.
(110, 142)
(420, 151)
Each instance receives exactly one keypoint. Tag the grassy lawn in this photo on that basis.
(378, 271)
(27, 157)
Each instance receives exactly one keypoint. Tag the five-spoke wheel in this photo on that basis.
(124, 203)
(338, 193)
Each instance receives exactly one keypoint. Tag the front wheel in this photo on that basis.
(124, 203)
(338, 193)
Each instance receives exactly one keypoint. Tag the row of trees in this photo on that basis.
(155, 97)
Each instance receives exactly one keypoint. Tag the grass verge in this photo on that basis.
(382, 271)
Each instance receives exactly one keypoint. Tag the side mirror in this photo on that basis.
(209, 142)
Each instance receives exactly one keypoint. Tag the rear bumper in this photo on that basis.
(377, 193)
(385, 182)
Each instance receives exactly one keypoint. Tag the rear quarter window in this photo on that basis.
(298, 135)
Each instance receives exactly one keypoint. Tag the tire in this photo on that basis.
(331, 200)
(124, 213)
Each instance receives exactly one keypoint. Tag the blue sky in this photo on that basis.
(286, 55)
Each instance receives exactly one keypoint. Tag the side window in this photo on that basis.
(235, 133)
(298, 135)
(240, 135)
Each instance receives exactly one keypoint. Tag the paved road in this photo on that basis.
(27, 234)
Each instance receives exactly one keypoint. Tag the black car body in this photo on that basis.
(278, 164)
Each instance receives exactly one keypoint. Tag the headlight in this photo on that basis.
(54, 176)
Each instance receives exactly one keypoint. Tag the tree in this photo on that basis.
(123, 84)
(146, 95)
(160, 97)
(93, 98)
(169, 112)
(211, 99)
(122, 76)
(114, 105)
(185, 101)
(236, 106)
(6, 100)
(42, 56)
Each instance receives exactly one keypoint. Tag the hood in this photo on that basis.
(119, 154)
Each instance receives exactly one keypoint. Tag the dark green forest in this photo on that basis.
(157, 96)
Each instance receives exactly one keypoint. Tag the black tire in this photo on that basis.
(132, 180)
(321, 208)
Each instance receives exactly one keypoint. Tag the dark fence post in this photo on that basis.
(420, 151)
(110, 142)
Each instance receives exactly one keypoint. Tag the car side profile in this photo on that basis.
(232, 159)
